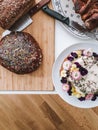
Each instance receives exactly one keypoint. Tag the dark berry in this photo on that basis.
(67, 74)
(95, 54)
(94, 98)
(82, 54)
(80, 68)
(70, 58)
(74, 55)
(77, 64)
(70, 84)
(81, 98)
(83, 71)
(64, 80)
(69, 92)
(96, 94)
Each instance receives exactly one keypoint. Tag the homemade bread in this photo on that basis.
(12, 10)
(20, 53)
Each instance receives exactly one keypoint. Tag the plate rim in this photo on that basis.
(92, 104)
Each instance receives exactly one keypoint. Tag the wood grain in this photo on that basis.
(43, 31)
(44, 112)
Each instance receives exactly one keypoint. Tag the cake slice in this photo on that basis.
(12, 10)
(79, 74)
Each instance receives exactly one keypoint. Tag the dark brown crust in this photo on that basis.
(88, 9)
(12, 10)
(20, 53)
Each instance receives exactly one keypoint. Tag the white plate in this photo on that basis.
(56, 78)
(66, 8)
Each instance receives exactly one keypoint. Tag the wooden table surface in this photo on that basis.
(42, 29)
(44, 112)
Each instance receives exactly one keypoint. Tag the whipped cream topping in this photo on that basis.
(79, 74)
(89, 82)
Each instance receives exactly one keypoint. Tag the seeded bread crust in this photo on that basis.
(20, 53)
(12, 10)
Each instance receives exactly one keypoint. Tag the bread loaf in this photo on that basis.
(20, 53)
(88, 9)
(12, 10)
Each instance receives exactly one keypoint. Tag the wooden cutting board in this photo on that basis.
(43, 31)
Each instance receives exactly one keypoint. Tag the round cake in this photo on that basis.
(79, 74)
(20, 53)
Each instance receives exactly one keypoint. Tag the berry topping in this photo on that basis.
(74, 54)
(64, 80)
(88, 52)
(77, 64)
(96, 94)
(70, 92)
(76, 75)
(95, 54)
(70, 58)
(70, 84)
(83, 71)
(79, 74)
(67, 65)
(94, 98)
(66, 87)
(81, 98)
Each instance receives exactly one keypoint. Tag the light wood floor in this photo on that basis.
(44, 112)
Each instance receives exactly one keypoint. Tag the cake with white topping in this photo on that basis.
(79, 74)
